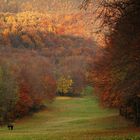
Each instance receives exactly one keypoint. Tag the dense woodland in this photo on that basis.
(44, 54)
(116, 71)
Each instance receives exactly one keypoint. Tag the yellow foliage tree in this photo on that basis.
(64, 84)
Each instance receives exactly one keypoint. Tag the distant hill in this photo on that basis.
(39, 5)
(38, 30)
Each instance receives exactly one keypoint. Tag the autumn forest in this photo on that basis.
(69, 64)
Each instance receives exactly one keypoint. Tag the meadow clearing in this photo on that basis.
(72, 119)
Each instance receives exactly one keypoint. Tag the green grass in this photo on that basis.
(72, 119)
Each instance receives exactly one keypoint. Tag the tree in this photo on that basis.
(8, 94)
(64, 85)
(120, 62)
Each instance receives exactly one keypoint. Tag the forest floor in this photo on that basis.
(72, 119)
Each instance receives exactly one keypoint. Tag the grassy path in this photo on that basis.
(70, 119)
